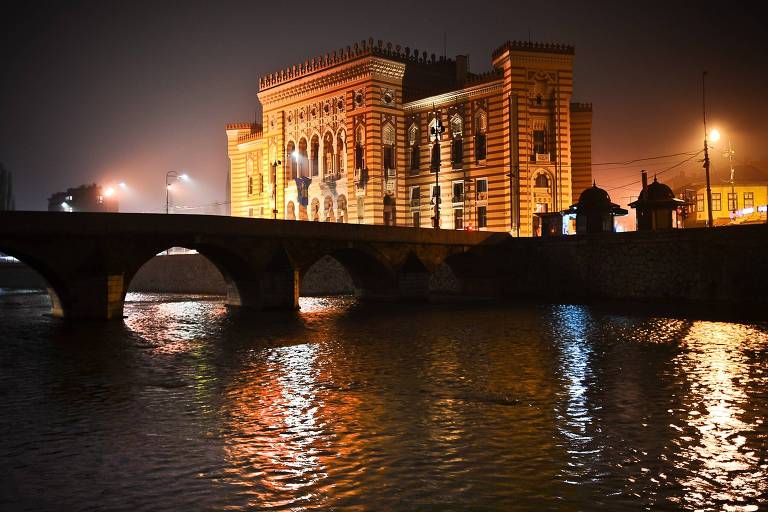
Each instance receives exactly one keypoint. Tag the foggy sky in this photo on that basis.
(110, 91)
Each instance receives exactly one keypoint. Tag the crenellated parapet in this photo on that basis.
(533, 46)
(343, 55)
(581, 107)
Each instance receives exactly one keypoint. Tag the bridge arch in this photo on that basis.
(58, 292)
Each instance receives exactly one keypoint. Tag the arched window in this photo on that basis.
(341, 154)
(481, 128)
(315, 155)
(328, 210)
(359, 143)
(291, 211)
(413, 143)
(457, 126)
(290, 160)
(302, 160)
(342, 207)
(542, 181)
(457, 145)
(327, 155)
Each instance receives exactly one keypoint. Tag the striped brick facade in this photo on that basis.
(513, 143)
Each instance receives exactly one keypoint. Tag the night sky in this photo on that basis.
(107, 91)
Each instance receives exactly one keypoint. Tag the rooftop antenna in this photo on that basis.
(445, 45)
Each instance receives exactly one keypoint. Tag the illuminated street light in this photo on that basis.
(109, 191)
(714, 135)
(176, 176)
(122, 185)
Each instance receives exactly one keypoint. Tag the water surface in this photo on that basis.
(186, 405)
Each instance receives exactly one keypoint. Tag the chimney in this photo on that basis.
(645, 184)
(462, 67)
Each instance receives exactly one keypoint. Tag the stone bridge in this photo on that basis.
(89, 259)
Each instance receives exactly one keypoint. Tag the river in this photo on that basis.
(186, 405)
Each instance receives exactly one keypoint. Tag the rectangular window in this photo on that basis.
(482, 219)
(480, 146)
(435, 195)
(389, 159)
(457, 153)
(716, 202)
(415, 197)
(458, 218)
(416, 219)
(458, 192)
(482, 189)
(700, 202)
(749, 199)
(733, 202)
(539, 142)
(250, 212)
(435, 161)
(358, 156)
(250, 185)
(414, 158)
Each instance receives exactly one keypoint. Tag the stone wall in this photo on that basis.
(725, 264)
(179, 273)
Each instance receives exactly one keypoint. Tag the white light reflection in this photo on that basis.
(571, 335)
(721, 466)
(278, 435)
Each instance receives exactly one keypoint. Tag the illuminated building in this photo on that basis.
(741, 202)
(85, 198)
(346, 137)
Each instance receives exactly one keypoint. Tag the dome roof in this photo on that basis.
(658, 192)
(594, 198)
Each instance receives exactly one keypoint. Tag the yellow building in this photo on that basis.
(349, 137)
(741, 202)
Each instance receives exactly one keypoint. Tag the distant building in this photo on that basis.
(741, 202)
(85, 198)
(350, 137)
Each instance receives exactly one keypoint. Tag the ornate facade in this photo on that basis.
(350, 137)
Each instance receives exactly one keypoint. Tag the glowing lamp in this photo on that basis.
(714, 135)
(109, 191)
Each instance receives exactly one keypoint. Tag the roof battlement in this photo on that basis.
(361, 49)
(532, 46)
(581, 107)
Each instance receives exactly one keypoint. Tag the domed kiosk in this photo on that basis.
(595, 211)
(656, 207)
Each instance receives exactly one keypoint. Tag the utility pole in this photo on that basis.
(731, 152)
(706, 150)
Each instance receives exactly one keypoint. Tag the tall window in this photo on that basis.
(732, 201)
(416, 216)
(250, 185)
(359, 141)
(481, 127)
(542, 181)
(457, 153)
(458, 192)
(341, 154)
(388, 138)
(458, 218)
(290, 161)
(539, 142)
(716, 202)
(435, 195)
(749, 199)
(482, 217)
(700, 202)
(413, 143)
(415, 197)
(315, 156)
(435, 160)
(328, 169)
(482, 189)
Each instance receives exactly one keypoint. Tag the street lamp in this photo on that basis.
(706, 149)
(175, 176)
(274, 187)
(436, 131)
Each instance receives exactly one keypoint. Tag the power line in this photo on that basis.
(648, 158)
(660, 172)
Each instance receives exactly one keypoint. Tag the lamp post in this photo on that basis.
(175, 176)
(436, 131)
(706, 150)
(274, 187)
